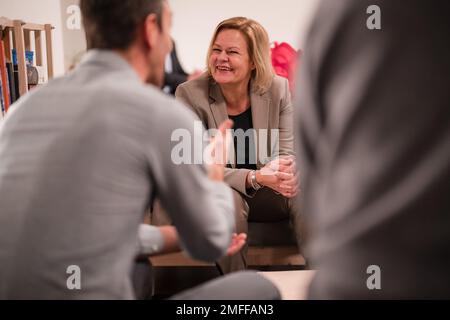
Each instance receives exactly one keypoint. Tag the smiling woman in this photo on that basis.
(240, 84)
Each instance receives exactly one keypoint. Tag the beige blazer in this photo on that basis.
(270, 110)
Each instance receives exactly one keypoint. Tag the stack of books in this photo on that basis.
(9, 78)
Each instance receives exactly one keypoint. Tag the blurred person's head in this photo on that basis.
(240, 51)
(138, 29)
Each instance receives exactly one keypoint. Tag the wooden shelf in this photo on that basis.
(16, 34)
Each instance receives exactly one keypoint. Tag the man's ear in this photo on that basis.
(151, 29)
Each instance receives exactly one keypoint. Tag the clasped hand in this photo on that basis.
(281, 176)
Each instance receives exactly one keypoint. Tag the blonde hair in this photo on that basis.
(258, 47)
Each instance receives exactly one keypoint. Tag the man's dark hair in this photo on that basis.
(113, 24)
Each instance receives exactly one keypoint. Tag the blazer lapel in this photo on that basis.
(218, 105)
(260, 110)
(219, 111)
(260, 115)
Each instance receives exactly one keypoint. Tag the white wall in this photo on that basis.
(194, 22)
(74, 39)
(42, 11)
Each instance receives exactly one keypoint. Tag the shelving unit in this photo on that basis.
(17, 34)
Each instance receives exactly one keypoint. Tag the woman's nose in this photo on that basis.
(223, 56)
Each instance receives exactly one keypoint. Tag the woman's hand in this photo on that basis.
(280, 175)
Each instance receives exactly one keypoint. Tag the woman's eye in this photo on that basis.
(216, 50)
(233, 52)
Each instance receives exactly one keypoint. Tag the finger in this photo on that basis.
(290, 195)
(220, 141)
(218, 151)
(267, 171)
(242, 236)
(285, 161)
(277, 163)
(289, 192)
(284, 184)
(235, 247)
(289, 159)
(280, 162)
(286, 188)
(294, 190)
(290, 182)
(285, 194)
(238, 239)
(284, 191)
(293, 167)
(295, 177)
(295, 193)
(284, 168)
(224, 126)
(288, 169)
(283, 175)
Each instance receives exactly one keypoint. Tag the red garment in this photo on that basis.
(284, 61)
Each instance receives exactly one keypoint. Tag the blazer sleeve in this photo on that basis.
(236, 178)
(286, 127)
(182, 94)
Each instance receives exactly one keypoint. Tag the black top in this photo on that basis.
(177, 76)
(244, 140)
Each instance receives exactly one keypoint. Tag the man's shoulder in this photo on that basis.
(114, 95)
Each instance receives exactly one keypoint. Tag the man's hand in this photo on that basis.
(216, 152)
(237, 242)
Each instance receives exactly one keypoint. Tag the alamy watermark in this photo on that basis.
(74, 279)
(374, 20)
(195, 147)
(73, 21)
(374, 280)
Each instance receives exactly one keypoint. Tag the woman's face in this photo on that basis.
(229, 61)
